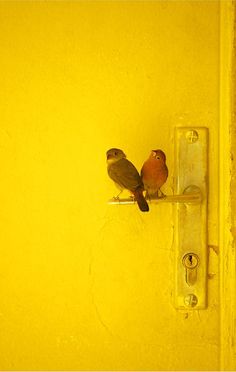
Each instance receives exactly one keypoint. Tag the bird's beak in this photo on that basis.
(153, 153)
(109, 156)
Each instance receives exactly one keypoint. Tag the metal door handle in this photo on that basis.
(192, 194)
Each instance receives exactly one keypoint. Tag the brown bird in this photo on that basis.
(154, 173)
(126, 176)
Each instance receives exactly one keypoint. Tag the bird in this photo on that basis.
(154, 174)
(126, 176)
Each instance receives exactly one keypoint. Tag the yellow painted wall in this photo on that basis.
(86, 285)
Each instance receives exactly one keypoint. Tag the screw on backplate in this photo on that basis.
(192, 136)
(190, 300)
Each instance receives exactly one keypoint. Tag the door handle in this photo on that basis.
(192, 194)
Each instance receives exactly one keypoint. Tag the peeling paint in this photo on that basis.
(215, 248)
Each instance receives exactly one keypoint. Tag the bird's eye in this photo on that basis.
(115, 153)
(158, 157)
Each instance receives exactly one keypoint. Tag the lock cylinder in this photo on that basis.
(190, 262)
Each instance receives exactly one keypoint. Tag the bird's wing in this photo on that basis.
(124, 173)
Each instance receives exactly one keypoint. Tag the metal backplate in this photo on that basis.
(191, 162)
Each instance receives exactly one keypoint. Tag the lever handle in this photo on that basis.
(192, 194)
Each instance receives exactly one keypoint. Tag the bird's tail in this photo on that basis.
(142, 203)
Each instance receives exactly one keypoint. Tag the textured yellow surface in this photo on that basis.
(86, 285)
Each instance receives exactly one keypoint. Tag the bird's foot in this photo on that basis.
(116, 197)
(160, 194)
(150, 197)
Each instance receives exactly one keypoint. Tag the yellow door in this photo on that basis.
(86, 285)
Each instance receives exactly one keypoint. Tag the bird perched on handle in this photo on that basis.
(154, 173)
(126, 176)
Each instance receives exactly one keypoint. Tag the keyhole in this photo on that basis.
(190, 260)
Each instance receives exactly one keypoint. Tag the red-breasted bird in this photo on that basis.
(154, 173)
(126, 176)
